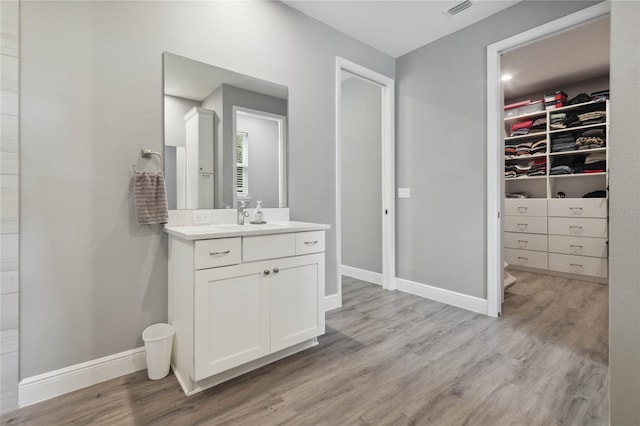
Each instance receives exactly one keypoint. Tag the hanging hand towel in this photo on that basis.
(151, 198)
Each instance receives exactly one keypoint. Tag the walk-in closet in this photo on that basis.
(556, 145)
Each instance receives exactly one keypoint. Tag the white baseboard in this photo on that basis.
(361, 274)
(332, 301)
(470, 303)
(58, 382)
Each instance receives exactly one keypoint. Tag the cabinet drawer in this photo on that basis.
(309, 242)
(579, 246)
(516, 240)
(218, 252)
(528, 258)
(578, 207)
(525, 207)
(268, 247)
(529, 225)
(581, 265)
(578, 227)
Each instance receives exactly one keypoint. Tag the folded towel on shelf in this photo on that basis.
(151, 198)
(522, 125)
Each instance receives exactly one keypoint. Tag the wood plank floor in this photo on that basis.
(393, 358)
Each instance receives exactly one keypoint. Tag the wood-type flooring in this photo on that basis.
(390, 358)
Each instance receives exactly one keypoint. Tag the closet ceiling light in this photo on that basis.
(506, 77)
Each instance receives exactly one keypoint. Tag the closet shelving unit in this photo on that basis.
(558, 236)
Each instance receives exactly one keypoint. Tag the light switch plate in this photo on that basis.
(201, 217)
(404, 192)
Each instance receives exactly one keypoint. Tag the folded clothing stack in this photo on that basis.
(595, 194)
(600, 95)
(591, 139)
(539, 147)
(520, 195)
(521, 128)
(567, 165)
(539, 124)
(523, 149)
(523, 169)
(539, 167)
(564, 142)
(510, 151)
(557, 120)
(595, 163)
(592, 117)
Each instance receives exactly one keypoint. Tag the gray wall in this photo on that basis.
(214, 103)
(624, 206)
(92, 97)
(361, 174)
(441, 149)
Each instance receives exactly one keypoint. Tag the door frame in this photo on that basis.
(495, 151)
(388, 172)
(282, 148)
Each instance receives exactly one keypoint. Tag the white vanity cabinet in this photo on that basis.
(241, 302)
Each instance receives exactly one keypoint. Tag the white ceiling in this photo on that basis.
(396, 27)
(574, 55)
(189, 79)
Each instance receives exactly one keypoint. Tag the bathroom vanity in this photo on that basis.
(242, 296)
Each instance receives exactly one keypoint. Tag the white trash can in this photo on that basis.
(158, 339)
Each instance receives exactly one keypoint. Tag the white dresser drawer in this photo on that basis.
(309, 242)
(528, 258)
(529, 225)
(217, 252)
(517, 240)
(579, 246)
(578, 227)
(268, 247)
(525, 207)
(578, 207)
(581, 265)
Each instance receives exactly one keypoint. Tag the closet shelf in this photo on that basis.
(577, 151)
(529, 115)
(568, 107)
(573, 129)
(527, 178)
(529, 136)
(573, 175)
(524, 157)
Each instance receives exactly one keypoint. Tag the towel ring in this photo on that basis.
(147, 153)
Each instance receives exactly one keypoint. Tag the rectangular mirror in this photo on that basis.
(225, 137)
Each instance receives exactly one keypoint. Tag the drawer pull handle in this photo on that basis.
(522, 210)
(576, 267)
(310, 243)
(575, 229)
(276, 270)
(523, 260)
(575, 249)
(219, 253)
(522, 243)
(575, 210)
(522, 226)
(267, 272)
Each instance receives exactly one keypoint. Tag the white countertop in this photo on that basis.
(205, 232)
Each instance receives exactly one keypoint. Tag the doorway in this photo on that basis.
(365, 179)
(496, 208)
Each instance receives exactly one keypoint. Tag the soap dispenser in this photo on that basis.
(258, 216)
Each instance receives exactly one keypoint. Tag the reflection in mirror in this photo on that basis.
(224, 135)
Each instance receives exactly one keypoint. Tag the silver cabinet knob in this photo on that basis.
(276, 270)
(267, 272)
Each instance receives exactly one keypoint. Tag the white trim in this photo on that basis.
(362, 274)
(59, 382)
(388, 171)
(332, 301)
(495, 157)
(470, 303)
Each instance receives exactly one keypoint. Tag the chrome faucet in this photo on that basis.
(242, 213)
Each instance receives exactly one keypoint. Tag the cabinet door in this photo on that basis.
(297, 294)
(231, 318)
